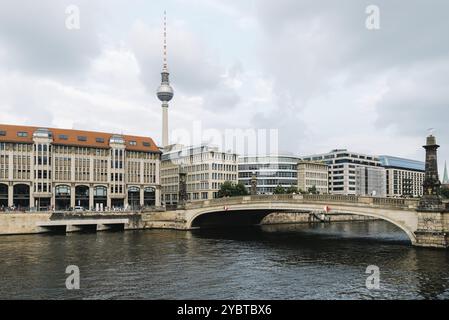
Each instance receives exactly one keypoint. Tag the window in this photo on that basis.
(2, 133)
(82, 138)
(63, 137)
(99, 140)
(146, 144)
(22, 134)
(132, 143)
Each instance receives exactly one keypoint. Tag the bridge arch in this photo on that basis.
(406, 220)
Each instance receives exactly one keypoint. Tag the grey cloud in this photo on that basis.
(418, 99)
(37, 40)
(291, 129)
(309, 42)
(221, 100)
(193, 69)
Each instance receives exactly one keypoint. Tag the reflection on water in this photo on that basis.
(323, 261)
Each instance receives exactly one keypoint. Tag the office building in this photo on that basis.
(206, 170)
(404, 177)
(59, 168)
(313, 174)
(353, 173)
(270, 170)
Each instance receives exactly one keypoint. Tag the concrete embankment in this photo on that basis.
(32, 223)
(22, 223)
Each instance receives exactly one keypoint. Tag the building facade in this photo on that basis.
(370, 181)
(353, 173)
(56, 168)
(404, 177)
(313, 174)
(270, 170)
(206, 169)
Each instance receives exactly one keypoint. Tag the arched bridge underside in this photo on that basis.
(251, 210)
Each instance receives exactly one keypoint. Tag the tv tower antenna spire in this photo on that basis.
(165, 91)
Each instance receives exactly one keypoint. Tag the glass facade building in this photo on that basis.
(270, 170)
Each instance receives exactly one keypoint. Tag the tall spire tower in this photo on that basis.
(165, 91)
(445, 175)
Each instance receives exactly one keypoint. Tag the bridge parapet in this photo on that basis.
(331, 198)
(325, 199)
(410, 203)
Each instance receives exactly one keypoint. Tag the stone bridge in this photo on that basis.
(423, 229)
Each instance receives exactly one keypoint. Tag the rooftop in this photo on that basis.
(401, 163)
(70, 137)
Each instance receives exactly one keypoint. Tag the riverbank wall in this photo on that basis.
(22, 223)
(47, 222)
(34, 223)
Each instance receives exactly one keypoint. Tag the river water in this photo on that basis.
(323, 261)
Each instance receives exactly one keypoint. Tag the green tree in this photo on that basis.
(313, 190)
(229, 189)
(240, 190)
(226, 189)
(279, 190)
(444, 192)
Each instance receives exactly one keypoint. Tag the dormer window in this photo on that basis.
(99, 140)
(117, 139)
(133, 143)
(82, 138)
(22, 134)
(2, 133)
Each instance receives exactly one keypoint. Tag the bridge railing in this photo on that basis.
(389, 201)
(331, 198)
(274, 197)
(319, 198)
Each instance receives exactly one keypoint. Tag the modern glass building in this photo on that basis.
(271, 171)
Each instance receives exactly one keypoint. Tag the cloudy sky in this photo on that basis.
(310, 69)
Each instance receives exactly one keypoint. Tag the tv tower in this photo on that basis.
(165, 91)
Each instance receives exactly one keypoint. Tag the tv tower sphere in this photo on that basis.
(165, 91)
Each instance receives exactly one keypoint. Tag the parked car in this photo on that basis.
(78, 209)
